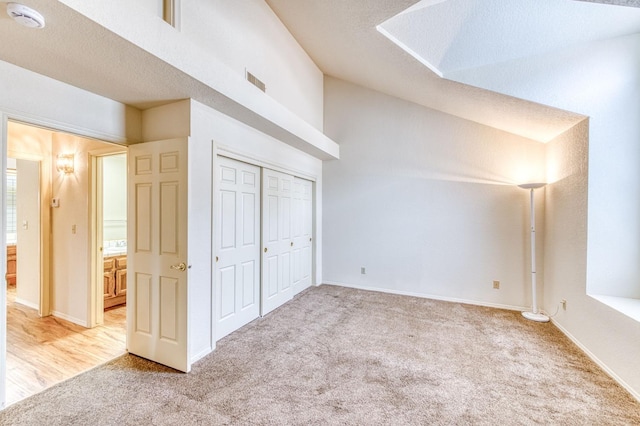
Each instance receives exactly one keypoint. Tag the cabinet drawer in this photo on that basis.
(121, 262)
(109, 263)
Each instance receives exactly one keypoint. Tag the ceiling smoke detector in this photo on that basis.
(25, 15)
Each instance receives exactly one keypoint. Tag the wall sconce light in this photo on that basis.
(64, 163)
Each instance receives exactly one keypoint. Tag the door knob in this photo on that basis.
(291, 243)
(180, 267)
(216, 258)
(265, 249)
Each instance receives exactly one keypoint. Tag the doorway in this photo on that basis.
(48, 326)
(109, 235)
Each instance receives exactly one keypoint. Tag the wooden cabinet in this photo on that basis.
(115, 281)
(12, 263)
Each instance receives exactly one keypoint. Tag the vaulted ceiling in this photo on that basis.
(343, 38)
(405, 47)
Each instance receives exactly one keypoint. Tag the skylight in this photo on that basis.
(455, 35)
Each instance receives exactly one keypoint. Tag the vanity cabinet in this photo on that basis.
(12, 259)
(115, 281)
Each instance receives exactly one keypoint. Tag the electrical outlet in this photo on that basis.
(563, 302)
(363, 271)
(496, 285)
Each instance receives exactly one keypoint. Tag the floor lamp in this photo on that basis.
(534, 315)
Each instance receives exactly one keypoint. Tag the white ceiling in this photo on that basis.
(456, 35)
(76, 50)
(341, 37)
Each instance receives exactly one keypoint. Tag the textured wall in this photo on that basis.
(602, 81)
(71, 254)
(425, 201)
(248, 35)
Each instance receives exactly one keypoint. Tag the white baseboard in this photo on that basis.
(27, 303)
(430, 296)
(600, 364)
(201, 354)
(70, 318)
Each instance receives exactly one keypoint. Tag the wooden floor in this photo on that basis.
(44, 351)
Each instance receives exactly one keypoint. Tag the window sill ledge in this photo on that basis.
(625, 305)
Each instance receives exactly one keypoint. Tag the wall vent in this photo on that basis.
(256, 81)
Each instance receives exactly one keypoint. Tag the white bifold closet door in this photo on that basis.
(237, 278)
(302, 223)
(287, 224)
(277, 239)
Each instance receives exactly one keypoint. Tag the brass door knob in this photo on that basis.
(180, 267)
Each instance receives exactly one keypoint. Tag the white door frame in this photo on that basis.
(3, 263)
(96, 304)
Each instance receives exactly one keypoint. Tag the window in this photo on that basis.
(11, 207)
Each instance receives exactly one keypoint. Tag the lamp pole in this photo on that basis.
(534, 315)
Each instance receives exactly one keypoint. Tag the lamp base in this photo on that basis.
(535, 317)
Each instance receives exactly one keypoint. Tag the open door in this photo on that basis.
(157, 256)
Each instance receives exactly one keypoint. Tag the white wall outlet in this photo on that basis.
(73, 229)
(496, 285)
(25, 225)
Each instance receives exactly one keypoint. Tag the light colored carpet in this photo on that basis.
(342, 356)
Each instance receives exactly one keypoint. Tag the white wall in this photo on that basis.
(28, 209)
(71, 249)
(216, 41)
(248, 35)
(35, 98)
(425, 201)
(114, 172)
(213, 133)
(601, 80)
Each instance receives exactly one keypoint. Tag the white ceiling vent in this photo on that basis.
(25, 15)
(256, 81)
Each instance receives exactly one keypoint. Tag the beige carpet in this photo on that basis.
(342, 356)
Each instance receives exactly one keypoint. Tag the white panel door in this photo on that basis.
(237, 296)
(277, 241)
(302, 225)
(157, 256)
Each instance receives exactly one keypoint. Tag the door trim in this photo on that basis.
(251, 159)
(96, 300)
